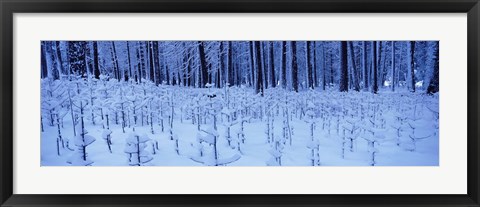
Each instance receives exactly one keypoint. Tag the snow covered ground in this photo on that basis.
(309, 128)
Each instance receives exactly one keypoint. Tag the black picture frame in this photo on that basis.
(9, 7)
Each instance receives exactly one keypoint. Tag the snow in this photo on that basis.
(83, 141)
(372, 118)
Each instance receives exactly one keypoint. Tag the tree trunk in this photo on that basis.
(412, 65)
(252, 64)
(365, 68)
(138, 75)
(221, 79)
(393, 66)
(309, 66)
(375, 67)
(355, 79)
(156, 60)
(229, 72)
(96, 64)
(314, 64)
(259, 79)
(129, 74)
(114, 56)
(331, 69)
(434, 85)
(294, 66)
(343, 67)
(284, 64)
(324, 63)
(150, 58)
(272, 66)
(203, 65)
(44, 61)
(59, 57)
(142, 68)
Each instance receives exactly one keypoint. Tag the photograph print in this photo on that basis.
(239, 103)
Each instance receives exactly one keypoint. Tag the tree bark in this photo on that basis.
(294, 66)
(434, 85)
(259, 85)
(309, 66)
(44, 61)
(365, 68)
(355, 79)
(375, 67)
(150, 58)
(412, 66)
(96, 64)
(393, 66)
(284, 64)
(115, 59)
(343, 67)
(203, 65)
(272, 66)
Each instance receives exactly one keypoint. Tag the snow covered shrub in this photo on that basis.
(82, 140)
(135, 147)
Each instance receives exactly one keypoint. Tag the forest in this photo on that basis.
(240, 103)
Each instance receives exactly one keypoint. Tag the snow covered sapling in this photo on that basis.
(92, 85)
(121, 104)
(377, 136)
(135, 147)
(228, 125)
(59, 114)
(106, 135)
(136, 103)
(270, 107)
(398, 126)
(416, 135)
(171, 105)
(150, 112)
(213, 158)
(51, 90)
(82, 140)
(287, 128)
(313, 144)
(351, 133)
(276, 152)
(177, 147)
